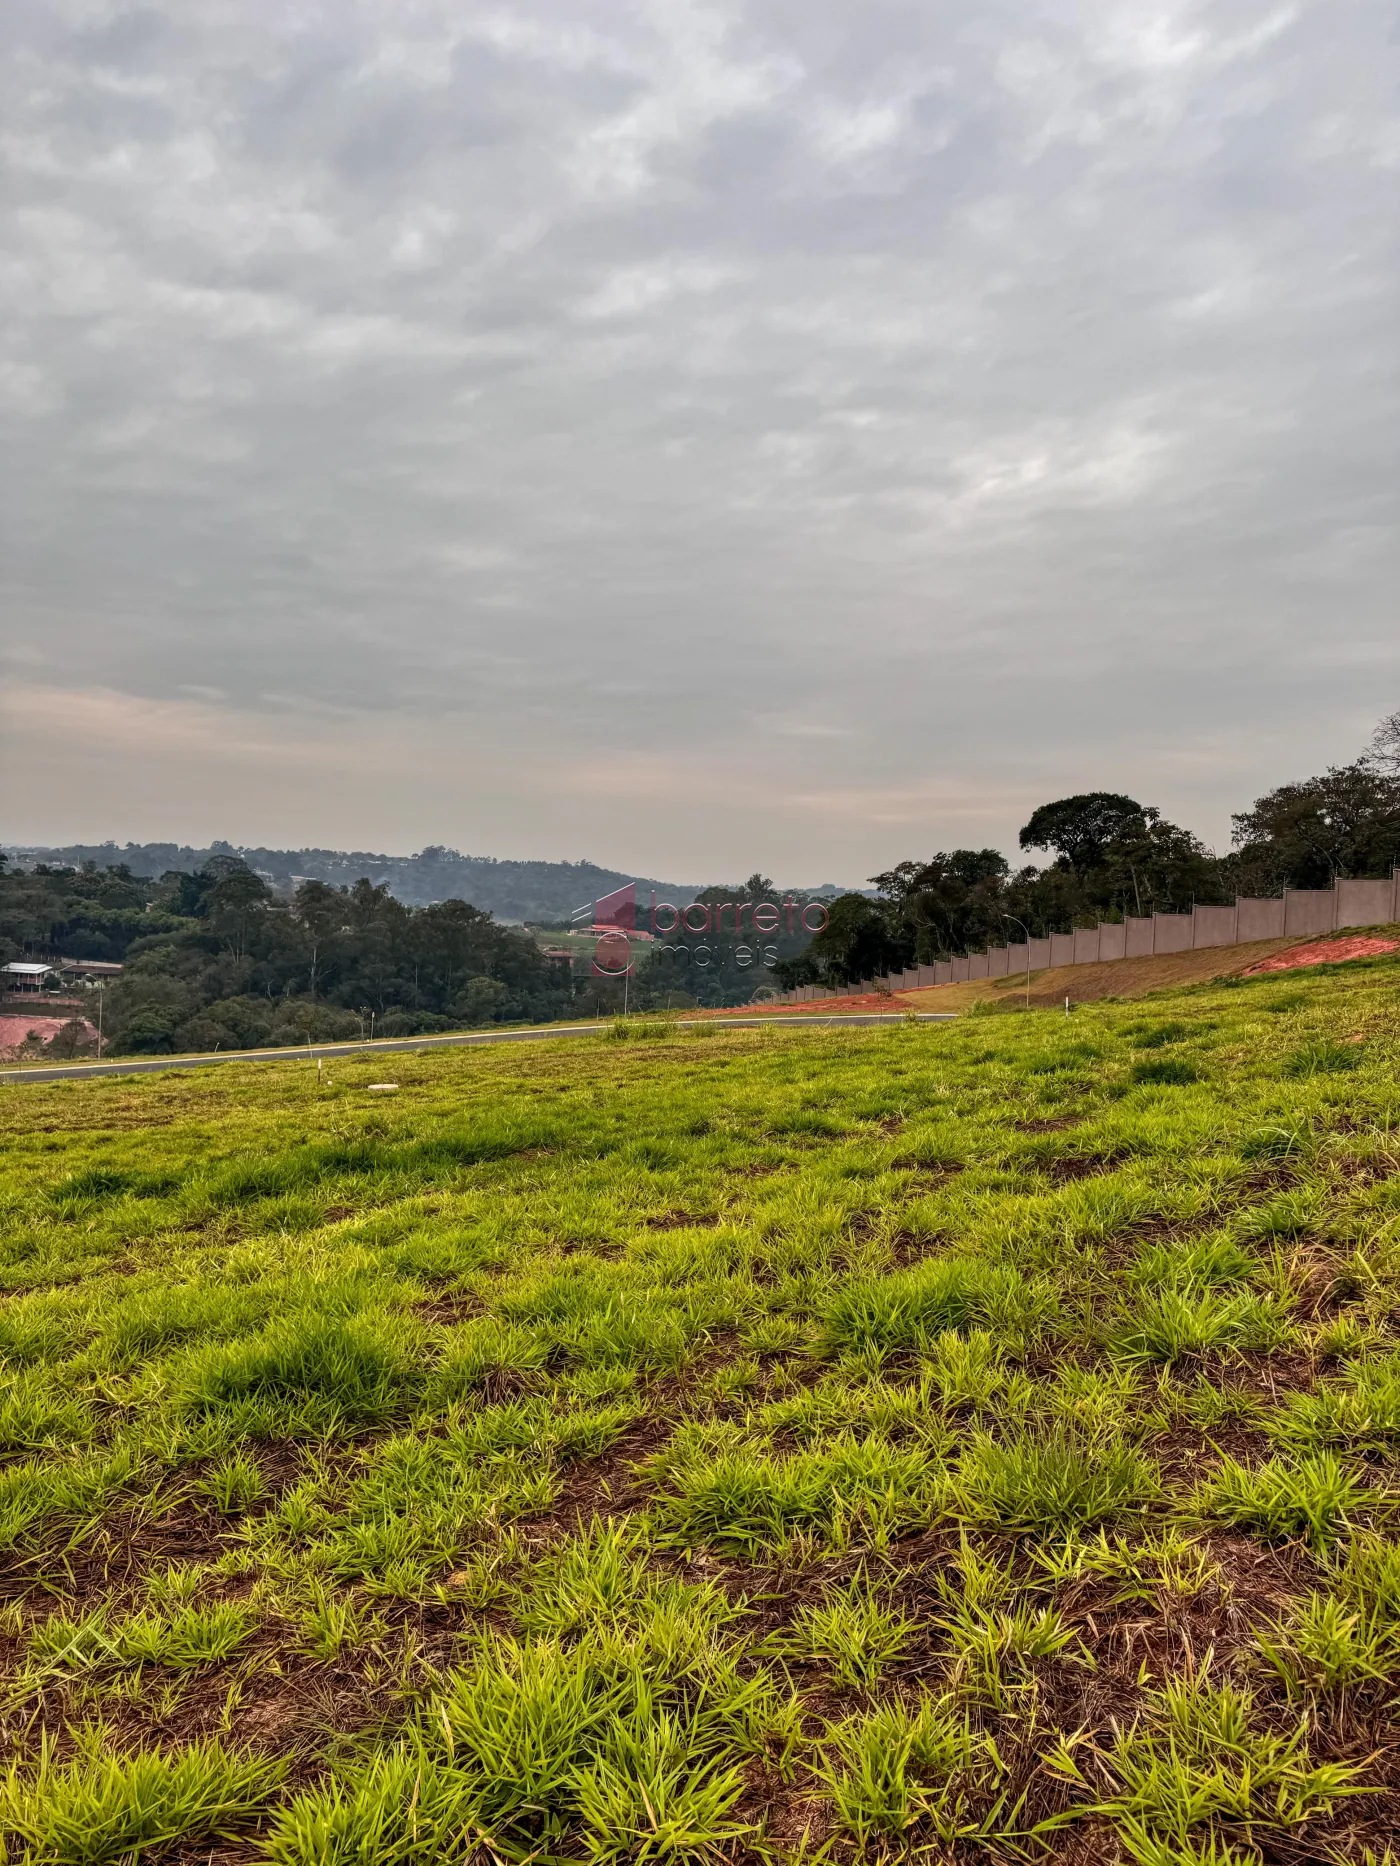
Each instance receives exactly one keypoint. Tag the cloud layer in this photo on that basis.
(695, 436)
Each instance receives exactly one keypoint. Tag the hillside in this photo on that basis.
(787, 1440)
(514, 891)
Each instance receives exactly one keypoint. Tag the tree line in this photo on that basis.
(515, 891)
(1113, 857)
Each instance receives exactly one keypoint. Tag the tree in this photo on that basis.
(861, 939)
(1159, 868)
(949, 902)
(1385, 744)
(1079, 829)
(1321, 829)
(232, 896)
(483, 1001)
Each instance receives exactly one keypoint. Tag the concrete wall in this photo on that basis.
(1258, 919)
(1309, 910)
(1214, 926)
(1301, 912)
(1368, 903)
(1172, 932)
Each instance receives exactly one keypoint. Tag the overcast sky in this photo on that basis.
(797, 433)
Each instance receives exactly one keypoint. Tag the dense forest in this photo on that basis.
(215, 956)
(215, 959)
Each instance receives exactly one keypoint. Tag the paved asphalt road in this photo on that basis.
(145, 1065)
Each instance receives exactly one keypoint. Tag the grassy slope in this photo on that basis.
(725, 1443)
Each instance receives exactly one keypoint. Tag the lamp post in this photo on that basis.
(1026, 930)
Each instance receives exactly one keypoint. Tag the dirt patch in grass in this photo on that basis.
(449, 1308)
(1324, 952)
(1067, 1167)
(122, 1549)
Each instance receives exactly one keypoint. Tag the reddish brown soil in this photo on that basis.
(17, 1026)
(1324, 952)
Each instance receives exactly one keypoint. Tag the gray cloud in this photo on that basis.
(694, 435)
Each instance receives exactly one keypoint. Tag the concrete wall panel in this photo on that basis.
(1215, 926)
(1113, 940)
(1365, 903)
(997, 966)
(1086, 945)
(1138, 937)
(977, 965)
(1258, 918)
(1017, 958)
(1309, 910)
(1171, 932)
(1040, 954)
(943, 972)
(1062, 949)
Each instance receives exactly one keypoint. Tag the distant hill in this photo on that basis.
(512, 891)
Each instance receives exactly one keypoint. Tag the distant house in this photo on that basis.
(89, 971)
(22, 975)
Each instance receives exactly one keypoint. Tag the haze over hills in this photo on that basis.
(511, 890)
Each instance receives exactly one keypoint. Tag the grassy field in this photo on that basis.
(963, 1442)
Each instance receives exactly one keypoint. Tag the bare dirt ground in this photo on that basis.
(17, 1025)
(1325, 952)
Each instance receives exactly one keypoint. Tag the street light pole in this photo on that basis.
(1026, 930)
